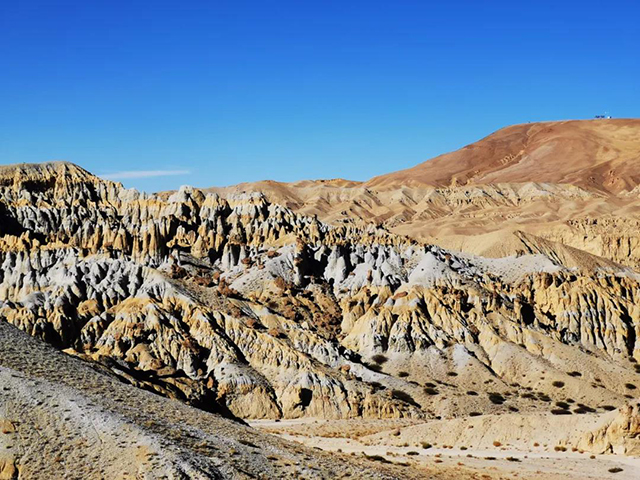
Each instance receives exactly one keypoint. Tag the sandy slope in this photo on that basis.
(594, 154)
(61, 417)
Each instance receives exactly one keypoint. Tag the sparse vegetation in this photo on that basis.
(377, 458)
(377, 385)
(280, 284)
(558, 384)
(379, 359)
(404, 397)
(225, 290)
(247, 443)
(274, 332)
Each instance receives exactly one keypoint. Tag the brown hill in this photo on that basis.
(572, 182)
(594, 154)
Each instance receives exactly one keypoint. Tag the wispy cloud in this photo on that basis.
(143, 174)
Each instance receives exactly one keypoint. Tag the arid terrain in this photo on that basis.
(574, 183)
(475, 316)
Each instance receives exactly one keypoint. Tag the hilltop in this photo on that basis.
(601, 155)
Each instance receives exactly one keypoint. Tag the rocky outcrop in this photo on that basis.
(238, 304)
(620, 435)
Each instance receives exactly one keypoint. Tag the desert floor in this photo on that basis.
(373, 439)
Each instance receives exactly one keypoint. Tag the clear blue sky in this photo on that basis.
(232, 91)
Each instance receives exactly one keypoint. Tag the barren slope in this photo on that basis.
(594, 154)
(61, 417)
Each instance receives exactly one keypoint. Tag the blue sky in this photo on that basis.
(159, 94)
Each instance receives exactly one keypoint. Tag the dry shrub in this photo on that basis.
(252, 322)
(177, 272)
(289, 312)
(281, 284)
(403, 396)
(225, 290)
(203, 281)
(274, 332)
(379, 359)
(496, 398)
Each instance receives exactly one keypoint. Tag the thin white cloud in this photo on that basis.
(126, 174)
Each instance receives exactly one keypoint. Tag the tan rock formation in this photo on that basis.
(240, 304)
